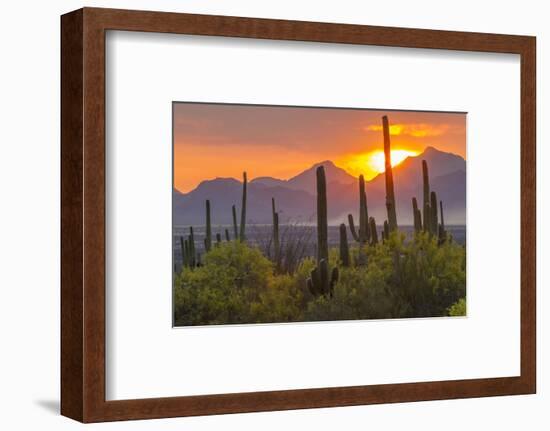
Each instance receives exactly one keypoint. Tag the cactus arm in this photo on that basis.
(352, 228)
(314, 282)
(419, 219)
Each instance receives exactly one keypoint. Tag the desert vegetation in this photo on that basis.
(376, 272)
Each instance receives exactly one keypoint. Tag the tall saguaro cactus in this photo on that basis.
(344, 247)
(188, 253)
(363, 235)
(442, 233)
(322, 223)
(276, 243)
(242, 234)
(192, 252)
(416, 216)
(426, 197)
(433, 215)
(386, 231)
(183, 256)
(235, 227)
(390, 194)
(373, 233)
(320, 282)
(208, 237)
(441, 214)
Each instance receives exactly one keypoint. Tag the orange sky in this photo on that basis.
(223, 140)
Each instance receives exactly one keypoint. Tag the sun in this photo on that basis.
(376, 160)
(373, 163)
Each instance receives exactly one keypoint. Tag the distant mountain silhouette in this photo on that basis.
(296, 197)
(306, 180)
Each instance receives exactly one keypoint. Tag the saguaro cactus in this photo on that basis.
(218, 239)
(441, 214)
(320, 283)
(276, 243)
(373, 233)
(344, 247)
(426, 197)
(208, 237)
(183, 256)
(235, 227)
(242, 235)
(322, 223)
(227, 238)
(192, 252)
(442, 233)
(433, 215)
(390, 194)
(188, 253)
(386, 231)
(416, 216)
(363, 235)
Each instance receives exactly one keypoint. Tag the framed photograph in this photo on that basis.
(268, 215)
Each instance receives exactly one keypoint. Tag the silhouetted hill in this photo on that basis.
(296, 197)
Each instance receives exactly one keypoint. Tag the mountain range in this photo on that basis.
(296, 197)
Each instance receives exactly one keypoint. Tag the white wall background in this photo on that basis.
(29, 216)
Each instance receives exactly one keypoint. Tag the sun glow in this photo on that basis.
(373, 163)
(376, 159)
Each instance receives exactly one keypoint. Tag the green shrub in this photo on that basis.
(361, 293)
(280, 302)
(425, 277)
(458, 308)
(222, 290)
(399, 278)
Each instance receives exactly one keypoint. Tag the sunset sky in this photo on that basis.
(222, 140)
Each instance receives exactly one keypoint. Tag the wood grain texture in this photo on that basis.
(72, 305)
(528, 216)
(83, 214)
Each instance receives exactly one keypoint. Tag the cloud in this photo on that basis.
(419, 130)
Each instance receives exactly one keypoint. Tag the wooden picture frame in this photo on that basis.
(83, 214)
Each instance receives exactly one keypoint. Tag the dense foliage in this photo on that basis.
(236, 283)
